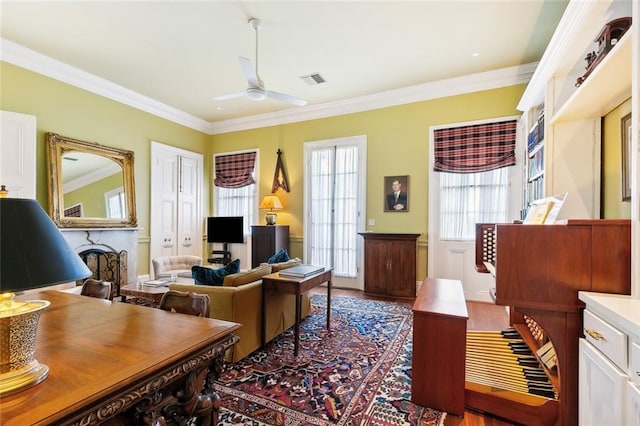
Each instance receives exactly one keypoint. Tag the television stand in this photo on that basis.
(226, 255)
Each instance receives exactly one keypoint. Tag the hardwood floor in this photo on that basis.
(482, 316)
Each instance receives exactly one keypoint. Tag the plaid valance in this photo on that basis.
(476, 148)
(235, 170)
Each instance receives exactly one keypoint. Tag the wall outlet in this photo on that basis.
(371, 222)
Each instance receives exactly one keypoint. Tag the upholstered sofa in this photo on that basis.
(239, 299)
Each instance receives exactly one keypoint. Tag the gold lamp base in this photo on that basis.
(271, 218)
(17, 380)
(18, 326)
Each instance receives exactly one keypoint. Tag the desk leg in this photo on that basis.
(296, 341)
(329, 306)
(264, 317)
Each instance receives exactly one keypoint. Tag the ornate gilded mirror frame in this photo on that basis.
(57, 147)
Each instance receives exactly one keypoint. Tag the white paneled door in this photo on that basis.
(176, 200)
(18, 154)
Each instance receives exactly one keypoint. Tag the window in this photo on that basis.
(474, 180)
(116, 207)
(235, 192)
(470, 198)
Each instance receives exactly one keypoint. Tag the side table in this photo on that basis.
(295, 285)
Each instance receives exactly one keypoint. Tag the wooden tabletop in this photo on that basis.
(94, 346)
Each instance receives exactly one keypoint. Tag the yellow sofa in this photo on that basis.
(239, 300)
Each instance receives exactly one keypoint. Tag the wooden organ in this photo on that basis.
(538, 272)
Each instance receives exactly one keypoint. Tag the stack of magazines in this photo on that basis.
(302, 271)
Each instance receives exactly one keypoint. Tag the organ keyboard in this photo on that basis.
(538, 271)
(511, 365)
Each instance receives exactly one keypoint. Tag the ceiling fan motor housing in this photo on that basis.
(256, 93)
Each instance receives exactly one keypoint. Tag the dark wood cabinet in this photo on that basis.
(266, 240)
(390, 264)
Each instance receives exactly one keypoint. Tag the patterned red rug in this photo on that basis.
(358, 375)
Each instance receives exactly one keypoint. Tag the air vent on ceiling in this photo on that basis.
(313, 79)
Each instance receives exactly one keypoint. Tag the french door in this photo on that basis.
(335, 176)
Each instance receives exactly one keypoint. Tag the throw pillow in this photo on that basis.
(280, 256)
(214, 276)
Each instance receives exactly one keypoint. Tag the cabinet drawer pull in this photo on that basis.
(638, 373)
(594, 334)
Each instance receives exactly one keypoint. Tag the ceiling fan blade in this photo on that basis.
(249, 72)
(285, 98)
(229, 96)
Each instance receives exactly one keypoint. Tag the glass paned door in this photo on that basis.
(334, 199)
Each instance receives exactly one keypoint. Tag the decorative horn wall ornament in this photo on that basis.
(279, 177)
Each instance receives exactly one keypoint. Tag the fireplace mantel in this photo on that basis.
(107, 239)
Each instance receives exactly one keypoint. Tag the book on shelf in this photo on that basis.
(302, 271)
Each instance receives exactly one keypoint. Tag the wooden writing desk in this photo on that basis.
(297, 286)
(117, 361)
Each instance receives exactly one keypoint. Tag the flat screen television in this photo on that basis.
(225, 229)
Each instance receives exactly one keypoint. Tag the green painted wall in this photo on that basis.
(612, 205)
(79, 114)
(397, 145)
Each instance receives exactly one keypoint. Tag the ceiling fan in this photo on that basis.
(256, 90)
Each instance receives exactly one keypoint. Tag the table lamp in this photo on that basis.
(33, 253)
(271, 202)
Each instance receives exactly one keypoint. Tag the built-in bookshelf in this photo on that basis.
(563, 117)
(534, 160)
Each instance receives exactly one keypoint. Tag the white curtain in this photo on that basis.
(237, 202)
(470, 198)
(334, 212)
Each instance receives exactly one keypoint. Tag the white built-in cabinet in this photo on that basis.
(176, 202)
(609, 370)
(633, 404)
(571, 156)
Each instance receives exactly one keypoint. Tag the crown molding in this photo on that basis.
(565, 34)
(26, 58)
(33, 61)
(422, 92)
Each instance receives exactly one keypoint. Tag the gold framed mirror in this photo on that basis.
(90, 185)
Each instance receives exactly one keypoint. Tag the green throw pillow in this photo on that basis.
(211, 276)
(280, 256)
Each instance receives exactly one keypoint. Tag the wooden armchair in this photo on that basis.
(185, 303)
(96, 288)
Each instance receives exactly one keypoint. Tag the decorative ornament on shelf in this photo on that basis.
(271, 202)
(3, 191)
(607, 39)
(279, 177)
(24, 223)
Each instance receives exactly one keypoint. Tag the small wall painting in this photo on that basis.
(396, 193)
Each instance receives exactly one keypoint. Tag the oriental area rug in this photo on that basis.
(358, 375)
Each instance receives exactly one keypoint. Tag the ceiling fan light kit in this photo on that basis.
(255, 89)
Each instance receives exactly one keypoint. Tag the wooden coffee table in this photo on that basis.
(295, 285)
(144, 291)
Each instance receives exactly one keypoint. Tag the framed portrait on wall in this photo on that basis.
(626, 157)
(396, 193)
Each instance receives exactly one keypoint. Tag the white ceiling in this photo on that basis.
(184, 54)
